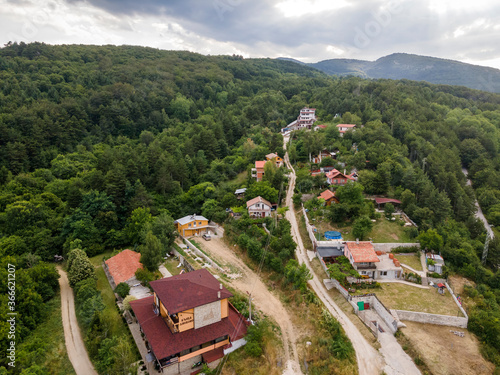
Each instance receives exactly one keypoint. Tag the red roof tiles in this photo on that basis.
(122, 266)
(386, 200)
(164, 343)
(362, 252)
(327, 194)
(259, 164)
(182, 292)
(258, 199)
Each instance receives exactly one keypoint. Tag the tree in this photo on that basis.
(389, 210)
(163, 228)
(139, 217)
(263, 189)
(361, 227)
(431, 240)
(151, 252)
(352, 192)
(79, 267)
(122, 289)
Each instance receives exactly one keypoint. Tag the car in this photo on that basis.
(207, 237)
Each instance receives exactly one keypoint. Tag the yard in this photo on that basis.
(410, 260)
(383, 230)
(406, 297)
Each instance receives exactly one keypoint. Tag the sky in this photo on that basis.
(308, 30)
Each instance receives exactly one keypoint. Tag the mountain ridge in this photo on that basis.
(413, 67)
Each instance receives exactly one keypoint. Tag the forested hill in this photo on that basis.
(98, 143)
(417, 68)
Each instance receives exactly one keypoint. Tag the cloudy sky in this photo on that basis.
(309, 30)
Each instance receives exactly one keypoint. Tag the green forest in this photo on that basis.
(95, 142)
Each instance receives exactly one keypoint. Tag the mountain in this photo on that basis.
(415, 67)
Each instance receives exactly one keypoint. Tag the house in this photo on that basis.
(434, 262)
(328, 251)
(381, 202)
(121, 268)
(334, 177)
(344, 128)
(318, 127)
(192, 225)
(188, 317)
(329, 197)
(240, 193)
(323, 154)
(259, 207)
(258, 171)
(305, 120)
(362, 256)
(388, 267)
(276, 159)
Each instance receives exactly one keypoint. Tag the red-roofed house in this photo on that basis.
(189, 315)
(362, 256)
(259, 207)
(381, 202)
(258, 171)
(122, 267)
(345, 127)
(329, 197)
(323, 154)
(334, 177)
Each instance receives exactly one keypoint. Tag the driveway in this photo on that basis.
(74, 343)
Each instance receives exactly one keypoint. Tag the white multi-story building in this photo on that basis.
(306, 119)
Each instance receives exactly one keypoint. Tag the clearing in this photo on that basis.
(406, 297)
(445, 353)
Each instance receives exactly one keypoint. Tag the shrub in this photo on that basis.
(126, 302)
(122, 289)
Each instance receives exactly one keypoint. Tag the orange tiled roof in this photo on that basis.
(326, 195)
(362, 251)
(260, 164)
(258, 199)
(123, 265)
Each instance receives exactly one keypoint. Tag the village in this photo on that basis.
(185, 319)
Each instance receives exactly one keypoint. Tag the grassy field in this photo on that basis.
(410, 298)
(383, 231)
(410, 260)
(45, 345)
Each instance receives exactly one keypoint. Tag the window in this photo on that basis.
(220, 339)
(383, 273)
(185, 352)
(199, 223)
(207, 344)
(195, 348)
(189, 225)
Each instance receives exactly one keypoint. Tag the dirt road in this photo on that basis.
(74, 343)
(263, 299)
(479, 213)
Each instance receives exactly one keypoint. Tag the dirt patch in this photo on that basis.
(266, 301)
(394, 236)
(457, 283)
(445, 353)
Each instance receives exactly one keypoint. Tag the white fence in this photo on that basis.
(442, 320)
(201, 254)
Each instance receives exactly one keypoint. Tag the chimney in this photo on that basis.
(220, 286)
(344, 170)
(218, 294)
(357, 240)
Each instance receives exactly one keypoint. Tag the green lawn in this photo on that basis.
(97, 260)
(45, 345)
(410, 260)
(410, 298)
(383, 230)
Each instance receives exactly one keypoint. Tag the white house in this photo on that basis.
(306, 120)
(388, 268)
(259, 207)
(345, 127)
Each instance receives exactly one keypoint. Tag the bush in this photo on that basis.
(126, 302)
(405, 249)
(122, 289)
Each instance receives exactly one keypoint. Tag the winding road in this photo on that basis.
(392, 359)
(74, 343)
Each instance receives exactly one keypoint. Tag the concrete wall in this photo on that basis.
(379, 307)
(456, 302)
(387, 247)
(184, 261)
(340, 288)
(442, 320)
(309, 229)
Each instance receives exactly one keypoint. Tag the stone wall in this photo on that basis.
(201, 254)
(442, 320)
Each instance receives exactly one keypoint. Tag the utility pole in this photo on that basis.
(250, 307)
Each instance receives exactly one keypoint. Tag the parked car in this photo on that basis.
(207, 237)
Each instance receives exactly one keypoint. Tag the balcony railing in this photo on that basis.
(174, 327)
(365, 266)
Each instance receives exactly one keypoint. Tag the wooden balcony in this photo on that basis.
(174, 327)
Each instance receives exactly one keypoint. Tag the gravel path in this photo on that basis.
(74, 343)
